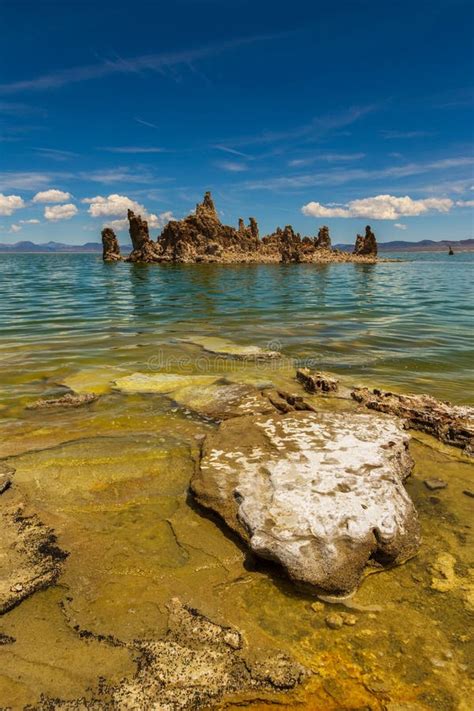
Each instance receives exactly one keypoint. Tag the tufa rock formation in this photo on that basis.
(201, 237)
(451, 424)
(323, 240)
(366, 245)
(110, 246)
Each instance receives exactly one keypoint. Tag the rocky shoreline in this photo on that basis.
(317, 490)
(202, 238)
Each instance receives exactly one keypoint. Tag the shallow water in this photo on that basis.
(112, 478)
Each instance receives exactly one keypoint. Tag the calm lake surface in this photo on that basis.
(406, 325)
(111, 478)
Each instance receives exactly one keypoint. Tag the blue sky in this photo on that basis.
(303, 113)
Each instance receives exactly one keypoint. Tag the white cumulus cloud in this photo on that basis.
(15, 228)
(29, 222)
(60, 212)
(399, 226)
(10, 203)
(380, 207)
(117, 206)
(465, 203)
(52, 196)
(112, 205)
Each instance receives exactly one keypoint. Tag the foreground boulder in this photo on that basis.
(320, 493)
(110, 246)
(451, 424)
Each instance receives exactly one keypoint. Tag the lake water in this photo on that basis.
(112, 478)
(406, 325)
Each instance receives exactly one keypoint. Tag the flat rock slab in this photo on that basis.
(29, 557)
(320, 493)
(223, 401)
(229, 349)
(451, 424)
(160, 382)
(193, 667)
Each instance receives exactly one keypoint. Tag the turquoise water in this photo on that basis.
(405, 324)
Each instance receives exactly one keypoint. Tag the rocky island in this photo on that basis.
(201, 237)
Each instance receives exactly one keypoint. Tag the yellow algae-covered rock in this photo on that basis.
(160, 382)
(92, 380)
(222, 401)
(223, 347)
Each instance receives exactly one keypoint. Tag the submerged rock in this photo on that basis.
(160, 382)
(30, 559)
(67, 400)
(197, 663)
(320, 493)
(366, 245)
(110, 246)
(451, 424)
(316, 382)
(435, 484)
(229, 349)
(221, 401)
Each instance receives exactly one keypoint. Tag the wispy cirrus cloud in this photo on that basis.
(342, 176)
(231, 166)
(149, 124)
(9, 108)
(133, 149)
(232, 151)
(316, 128)
(55, 153)
(144, 63)
(325, 157)
(405, 134)
(25, 180)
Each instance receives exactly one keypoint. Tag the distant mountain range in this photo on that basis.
(425, 245)
(53, 247)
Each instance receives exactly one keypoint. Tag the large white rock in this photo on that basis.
(320, 493)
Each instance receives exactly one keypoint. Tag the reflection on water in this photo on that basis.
(405, 324)
(112, 478)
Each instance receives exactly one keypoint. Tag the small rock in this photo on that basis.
(349, 619)
(317, 606)
(68, 400)
(434, 484)
(18, 587)
(468, 492)
(316, 382)
(334, 621)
